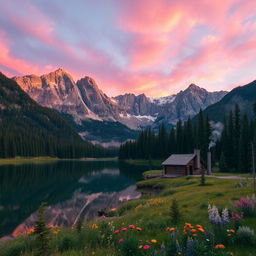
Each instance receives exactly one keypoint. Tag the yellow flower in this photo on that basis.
(153, 241)
(140, 246)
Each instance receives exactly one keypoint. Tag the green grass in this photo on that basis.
(152, 214)
(46, 159)
(152, 173)
(246, 175)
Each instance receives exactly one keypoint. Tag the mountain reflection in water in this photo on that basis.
(71, 189)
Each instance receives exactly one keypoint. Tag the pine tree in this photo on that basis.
(42, 233)
(223, 164)
(175, 211)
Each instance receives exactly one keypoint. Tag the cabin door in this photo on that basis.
(190, 170)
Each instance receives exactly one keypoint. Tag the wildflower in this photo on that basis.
(199, 226)
(131, 226)
(116, 231)
(120, 240)
(30, 231)
(232, 231)
(146, 247)
(140, 246)
(170, 229)
(219, 246)
(236, 216)
(139, 229)
(225, 217)
(153, 241)
(193, 230)
(194, 235)
(94, 226)
(123, 229)
(201, 230)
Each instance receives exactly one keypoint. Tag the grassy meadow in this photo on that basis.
(150, 216)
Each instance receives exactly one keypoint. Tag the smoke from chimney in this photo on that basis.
(217, 129)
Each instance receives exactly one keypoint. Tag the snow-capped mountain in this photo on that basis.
(83, 101)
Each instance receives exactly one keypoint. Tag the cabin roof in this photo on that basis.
(179, 159)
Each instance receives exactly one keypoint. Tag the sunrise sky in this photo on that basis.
(156, 47)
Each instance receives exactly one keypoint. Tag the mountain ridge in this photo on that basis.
(84, 100)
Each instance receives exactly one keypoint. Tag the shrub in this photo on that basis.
(79, 225)
(175, 211)
(13, 250)
(245, 235)
(202, 179)
(129, 247)
(66, 243)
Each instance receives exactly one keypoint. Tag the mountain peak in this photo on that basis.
(195, 87)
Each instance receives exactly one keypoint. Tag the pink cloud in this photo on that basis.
(169, 45)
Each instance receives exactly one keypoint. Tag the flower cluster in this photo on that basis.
(155, 201)
(230, 232)
(192, 230)
(123, 229)
(246, 206)
(147, 245)
(216, 218)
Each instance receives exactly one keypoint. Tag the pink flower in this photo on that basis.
(146, 247)
(124, 229)
(131, 226)
(116, 231)
(120, 240)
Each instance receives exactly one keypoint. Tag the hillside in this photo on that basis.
(28, 129)
(244, 96)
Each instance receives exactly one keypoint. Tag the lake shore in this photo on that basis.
(47, 159)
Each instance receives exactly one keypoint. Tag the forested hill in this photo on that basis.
(28, 129)
(244, 96)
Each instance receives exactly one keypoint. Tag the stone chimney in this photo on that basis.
(197, 152)
(209, 163)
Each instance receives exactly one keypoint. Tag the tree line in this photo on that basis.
(231, 152)
(32, 144)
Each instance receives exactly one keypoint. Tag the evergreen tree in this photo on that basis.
(223, 164)
(42, 233)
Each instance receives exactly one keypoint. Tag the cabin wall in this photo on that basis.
(183, 170)
(175, 170)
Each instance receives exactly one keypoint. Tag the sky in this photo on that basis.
(156, 47)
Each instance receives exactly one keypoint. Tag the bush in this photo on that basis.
(14, 250)
(245, 235)
(130, 247)
(66, 243)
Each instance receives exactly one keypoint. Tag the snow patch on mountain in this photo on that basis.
(163, 100)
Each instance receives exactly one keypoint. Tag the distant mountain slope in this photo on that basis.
(84, 101)
(30, 129)
(244, 96)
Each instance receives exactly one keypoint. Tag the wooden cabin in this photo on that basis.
(183, 164)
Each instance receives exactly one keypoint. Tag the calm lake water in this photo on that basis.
(71, 189)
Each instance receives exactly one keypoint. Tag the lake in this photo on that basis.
(71, 189)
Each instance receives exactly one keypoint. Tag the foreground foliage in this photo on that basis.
(145, 227)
